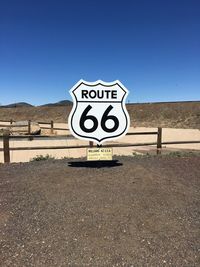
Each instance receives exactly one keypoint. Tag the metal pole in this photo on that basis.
(91, 144)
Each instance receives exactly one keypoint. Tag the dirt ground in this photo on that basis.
(134, 211)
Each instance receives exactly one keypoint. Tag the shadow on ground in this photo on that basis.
(94, 164)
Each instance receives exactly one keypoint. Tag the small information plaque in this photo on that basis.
(99, 153)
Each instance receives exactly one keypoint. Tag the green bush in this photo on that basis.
(140, 155)
(41, 157)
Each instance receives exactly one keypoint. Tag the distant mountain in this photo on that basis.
(60, 103)
(24, 104)
(16, 105)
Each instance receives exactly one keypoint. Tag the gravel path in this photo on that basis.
(135, 212)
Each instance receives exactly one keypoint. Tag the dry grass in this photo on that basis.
(176, 115)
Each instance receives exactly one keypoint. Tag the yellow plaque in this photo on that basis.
(99, 153)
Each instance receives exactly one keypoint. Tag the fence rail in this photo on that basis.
(13, 126)
(40, 122)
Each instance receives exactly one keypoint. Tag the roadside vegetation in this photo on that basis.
(176, 154)
(41, 157)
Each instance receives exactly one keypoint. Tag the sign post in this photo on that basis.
(99, 113)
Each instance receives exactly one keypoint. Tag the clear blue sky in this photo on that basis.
(152, 47)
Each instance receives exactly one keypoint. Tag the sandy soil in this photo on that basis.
(130, 212)
(168, 135)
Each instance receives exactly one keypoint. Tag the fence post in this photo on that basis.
(91, 144)
(51, 127)
(6, 148)
(11, 121)
(29, 127)
(159, 140)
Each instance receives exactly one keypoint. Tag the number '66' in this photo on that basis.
(104, 118)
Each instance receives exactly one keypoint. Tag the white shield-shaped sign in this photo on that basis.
(99, 113)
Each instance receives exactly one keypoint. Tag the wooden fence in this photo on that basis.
(28, 125)
(6, 142)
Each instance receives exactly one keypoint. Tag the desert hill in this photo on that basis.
(169, 114)
(16, 105)
(25, 104)
(60, 103)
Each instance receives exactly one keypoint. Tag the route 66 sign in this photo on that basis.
(99, 113)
